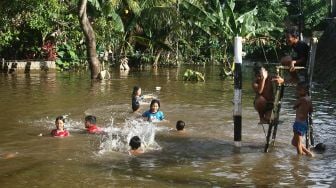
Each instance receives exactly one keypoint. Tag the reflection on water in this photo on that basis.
(204, 156)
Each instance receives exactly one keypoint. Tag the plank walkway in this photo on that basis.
(26, 66)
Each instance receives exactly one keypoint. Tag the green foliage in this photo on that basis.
(26, 24)
(266, 43)
(227, 70)
(67, 57)
(314, 12)
(190, 75)
(213, 25)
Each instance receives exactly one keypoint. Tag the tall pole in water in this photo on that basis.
(237, 111)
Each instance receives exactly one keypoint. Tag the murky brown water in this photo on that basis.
(204, 157)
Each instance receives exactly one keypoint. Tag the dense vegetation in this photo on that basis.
(159, 32)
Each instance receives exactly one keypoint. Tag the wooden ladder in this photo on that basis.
(274, 120)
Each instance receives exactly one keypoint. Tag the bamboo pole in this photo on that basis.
(288, 67)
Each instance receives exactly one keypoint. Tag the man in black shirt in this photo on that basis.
(301, 50)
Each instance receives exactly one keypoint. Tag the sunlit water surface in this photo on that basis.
(203, 156)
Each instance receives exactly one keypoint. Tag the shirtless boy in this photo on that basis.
(303, 107)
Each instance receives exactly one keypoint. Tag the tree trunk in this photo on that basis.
(89, 39)
(155, 64)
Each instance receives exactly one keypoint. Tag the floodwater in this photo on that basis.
(204, 156)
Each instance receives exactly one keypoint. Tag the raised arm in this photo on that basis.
(259, 84)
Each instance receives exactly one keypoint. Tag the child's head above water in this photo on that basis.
(135, 142)
(136, 91)
(59, 122)
(90, 120)
(155, 105)
(180, 125)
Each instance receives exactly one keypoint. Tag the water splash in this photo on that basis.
(117, 139)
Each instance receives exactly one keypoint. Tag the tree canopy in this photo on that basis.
(152, 31)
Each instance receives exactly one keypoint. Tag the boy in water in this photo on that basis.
(180, 126)
(303, 106)
(301, 50)
(263, 87)
(135, 144)
(90, 125)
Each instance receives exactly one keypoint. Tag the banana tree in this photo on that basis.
(222, 22)
(159, 23)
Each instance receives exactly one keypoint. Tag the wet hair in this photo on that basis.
(257, 68)
(91, 119)
(293, 31)
(304, 85)
(180, 125)
(153, 102)
(135, 142)
(320, 147)
(62, 118)
(135, 90)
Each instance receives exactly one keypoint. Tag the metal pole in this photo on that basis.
(237, 111)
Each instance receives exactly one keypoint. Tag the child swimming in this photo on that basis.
(180, 125)
(154, 114)
(90, 125)
(138, 98)
(135, 144)
(59, 131)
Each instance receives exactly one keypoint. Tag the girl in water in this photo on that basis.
(154, 114)
(138, 98)
(59, 131)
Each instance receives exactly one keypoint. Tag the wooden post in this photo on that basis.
(310, 133)
(2, 64)
(237, 111)
(312, 54)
